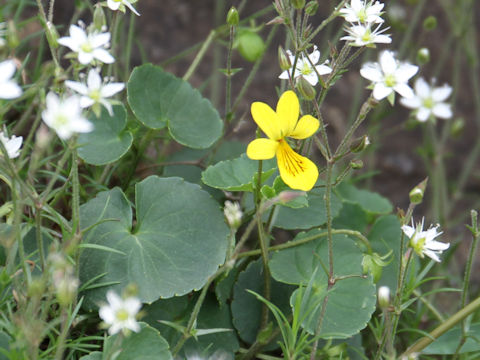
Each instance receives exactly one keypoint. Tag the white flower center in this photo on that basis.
(61, 120)
(390, 80)
(306, 69)
(362, 15)
(95, 95)
(418, 244)
(86, 47)
(428, 102)
(367, 36)
(122, 315)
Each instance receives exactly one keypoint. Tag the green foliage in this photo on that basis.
(159, 99)
(162, 256)
(447, 344)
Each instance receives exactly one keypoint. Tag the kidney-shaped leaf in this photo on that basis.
(108, 141)
(158, 98)
(178, 241)
(351, 300)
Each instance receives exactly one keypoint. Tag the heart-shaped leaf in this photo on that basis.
(109, 140)
(158, 98)
(179, 239)
(369, 201)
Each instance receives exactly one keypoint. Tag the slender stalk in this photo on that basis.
(75, 191)
(266, 271)
(55, 176)
(200, 55)
(442, 328)
(46, 24)
(228, 91)
(38, 234)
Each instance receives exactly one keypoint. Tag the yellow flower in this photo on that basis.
(296, 171)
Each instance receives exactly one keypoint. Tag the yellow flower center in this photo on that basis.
(95, 95)
(122, 315)
(61, 120)
(86, 47)
(367, 36)
(428, 103)
(418, 245)
(306, 69)
(390, 80)
(362, 15)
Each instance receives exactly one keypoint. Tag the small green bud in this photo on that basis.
(416, 194)
(283, 59)
(298, 4)
(52, 35)
(233, 214)
(430, 23)
(12, 39)
(311, 8)
(360, 144)
(457, 127)
(384, 297)
(99, 19)
(356, 164)
(423, 56)
(369, 266)
(250, 45)
(232, 16)
(305, 88)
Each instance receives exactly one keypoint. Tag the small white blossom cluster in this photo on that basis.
(423, 242)
(120, 314)
(365, 22)
(233, 214)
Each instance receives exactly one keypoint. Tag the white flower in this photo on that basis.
(423, 242)
(383, 296)
(304, 67)
(65, 116)
(429, 100)
(12, 145)
(88, 46)
(389, 75)
(233, 214)
(8, 88)
(362, 35)
(120, 313)
(95, 91)
(363, 12)
(115, 5)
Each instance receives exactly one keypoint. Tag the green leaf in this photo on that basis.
(236, 174)
(351, 217)
(109, 140)
(96, 355)
(369, 201)
(158, 98)
(448, 342)
(4, 344)
(179, 240)
(309, 216)
(147, 344)
(351, 300)
(246, 309)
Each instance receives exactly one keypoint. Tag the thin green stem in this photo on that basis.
(38, 234)
(228, 91)
(266, 272)
(200, 55)
(46, 25)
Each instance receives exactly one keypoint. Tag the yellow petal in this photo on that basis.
(262, 149)
(306, 127)
(296, 171)
(288, 109)
(266, 119)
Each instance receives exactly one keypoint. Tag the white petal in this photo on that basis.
(372, 72)
(101, 39)
(408, 230)
(130, 6)
(77, 34)
(114, 300)
(85, 58)
(86, 102)
(442, 111)
(423, 114)
(70, 43)
(382, 39)
(315, 55)
(312, 78)
(107, 314)
(440, 94)
(107, 106)
(113, 5)
(432, 255)
(388, 62)
(357, 5)
(404, 90)
(77, 86)
(9, 90)
(7, 69)
(104, 56)
(411, 103)
(81, 125)
(284, 75)
(381, 91)
(405, 72)
(94, 81)
(437, 245)
(52, 101)
(323, 69)
(111, 89)
(422, 89)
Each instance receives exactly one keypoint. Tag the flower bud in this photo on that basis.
(384, 297)
(52, 35)
(305, 88)
(99, 19)
(232, 16)
(311, 8)
(457, 127)
(430, 23)
(298, 4)
(250, 45)
(287, 196)
(233, 214)
(283, 59)
(360, 144)
(13, 40)
(416, 194)
(356, 164)
(423, 56)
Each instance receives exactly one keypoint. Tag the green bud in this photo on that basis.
(52, 35)
(232, 17)
(250, 45)
(305, 88)
(383, 297)
(457, 127)
(283, 59)
(360, 144)
(416, 194)
(423, 56)
(298, 4)
(12, 39)
(311, 8)
(356, 164)
(99, 19)
(430, 23)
